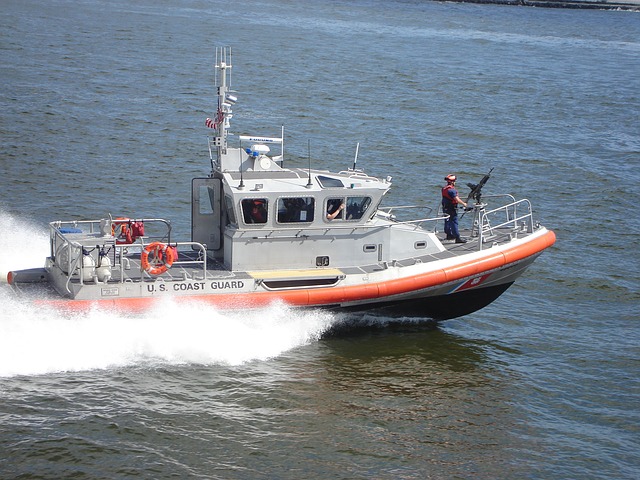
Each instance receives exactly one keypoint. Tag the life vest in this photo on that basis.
(121, 229)
(126, 231)
(446, 197)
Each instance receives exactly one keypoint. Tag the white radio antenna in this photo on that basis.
(356, 157)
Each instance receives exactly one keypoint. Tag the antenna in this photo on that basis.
(241, 186)
(210, 155)
(309, 184)
(282, 147)
(230, 63)
(356, 157)
(225, 100)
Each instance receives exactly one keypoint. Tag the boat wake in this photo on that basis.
(37, 340)
(23, 244)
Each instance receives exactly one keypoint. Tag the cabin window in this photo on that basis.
(231, 216)
(329, 182)
(335, 209)
(356, 206)
(295, 209)
(254, 210)
(353, 207)
(205, 200)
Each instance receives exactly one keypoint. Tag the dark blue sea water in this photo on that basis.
(102, 109)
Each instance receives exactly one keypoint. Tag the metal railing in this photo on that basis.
(72, 241)
(417, 223)
(201, 258)
(509, 216)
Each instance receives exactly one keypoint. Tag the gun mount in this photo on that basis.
(476, 189)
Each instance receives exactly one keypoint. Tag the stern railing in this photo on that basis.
(71, 241)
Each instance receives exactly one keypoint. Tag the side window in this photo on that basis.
(356, 207)
(298, 209)
(335, 208)
(231, 216)
(254, 210)
(205, 195)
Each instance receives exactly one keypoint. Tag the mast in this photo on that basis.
(225, 101)
(226, 158)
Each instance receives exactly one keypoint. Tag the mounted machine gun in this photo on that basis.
(476, 189)
(478, 208)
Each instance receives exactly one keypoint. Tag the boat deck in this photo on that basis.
(190, 267)
(193, 266)
(452, 249)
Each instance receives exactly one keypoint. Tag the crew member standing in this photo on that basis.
(450, 201)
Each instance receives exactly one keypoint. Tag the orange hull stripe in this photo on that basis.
(305, 297)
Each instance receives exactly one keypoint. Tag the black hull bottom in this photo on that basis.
(442, 307)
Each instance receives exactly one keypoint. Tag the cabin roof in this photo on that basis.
(296, 181)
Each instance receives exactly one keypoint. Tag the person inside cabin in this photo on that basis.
(287, 210)
(293, 210)
(258, 212)
(254, 210)
(296, 209)
(335, 206)
(450, 202)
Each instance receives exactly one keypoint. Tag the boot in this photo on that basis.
(460, 240)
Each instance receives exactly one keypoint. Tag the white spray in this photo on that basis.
(35, 340)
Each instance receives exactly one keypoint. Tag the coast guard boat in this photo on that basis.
(265, 232)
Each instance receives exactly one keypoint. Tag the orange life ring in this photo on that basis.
(162, 257)
(121, 229)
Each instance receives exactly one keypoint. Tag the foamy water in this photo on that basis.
(22, 244)
(37, 340)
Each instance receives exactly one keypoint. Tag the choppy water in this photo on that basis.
(102, 107)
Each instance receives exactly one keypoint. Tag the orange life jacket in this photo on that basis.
(446, 198)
